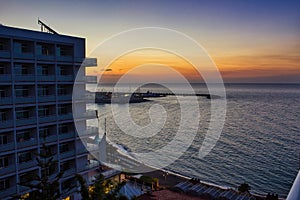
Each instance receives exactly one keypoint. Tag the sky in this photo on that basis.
(250, 41)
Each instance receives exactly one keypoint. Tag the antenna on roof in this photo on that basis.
(46, 28)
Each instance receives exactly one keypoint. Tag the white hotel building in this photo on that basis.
(37, 73)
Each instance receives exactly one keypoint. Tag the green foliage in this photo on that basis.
(100, 190)
(43, 187)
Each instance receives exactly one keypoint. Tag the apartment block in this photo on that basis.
(37, 73)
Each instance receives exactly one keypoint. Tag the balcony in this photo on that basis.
(26, 165)
(66, 135)
(65, 116)
(5, 100)
(7, 147)
(46, 119)
(4, 54)
(25, 78)
(86, 115)
(47, 78)
(24, 56)
(7, 170)
(50, 138)
(46, 98)
(89, 131)
(23, 100)
(67, 97)
(26, 121)
(89, 166)
(64, 58)
(65, 78)
(90, 62)
(68, 172)
(27, 143)
(45, 57)
(8, 192)
(82, 150)
(6, 124)
(67, 154)
(5, 77)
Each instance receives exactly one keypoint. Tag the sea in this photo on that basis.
(259, 143)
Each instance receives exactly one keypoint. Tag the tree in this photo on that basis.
(100, 190)
(46, 185)
(244, 187)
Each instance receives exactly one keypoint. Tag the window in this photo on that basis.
(22, 69)
(44, 111)
(25, 157)
(4, 44)
(43, 90)
(65, 166)
(2, 68)
(45, 49)
(63, 148)
(63, 129)
(22, 113)
(23, 136)
(26, 48)
(3, 139)
(3, 115)
(64, 50)
(2, 92)
(44, 132)
(61, 90)
(22, 91)
(4, 184)
(43, 70)
(49, 171)
(63, 109)
(3, 162)
(63, 71)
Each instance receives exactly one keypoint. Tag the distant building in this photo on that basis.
(37, 73)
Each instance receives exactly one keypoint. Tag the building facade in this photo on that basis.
(37, 73)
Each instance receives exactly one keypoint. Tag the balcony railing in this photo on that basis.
(89, 166)
(46, 119)
(25, 100)
(67, 154)
(8, 192)
(6, 124)
(65, 78)
(82, 150)
(45, 57)
(90, 62)
(23, 55)
(65, 116)
(24, 78)
(67, 97)
(90, 114)
(27, 143)
(46, 78)
(48, 98)
(28, 164)
(7, 170)
(7, 147)
(26, 121)
(69, 172)
(4, 54)
(66, 135)
(50, 138)
(5, 100)
(64, 58)
(5, 77)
